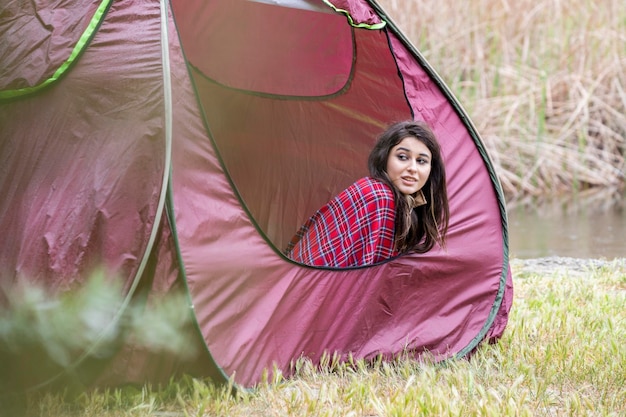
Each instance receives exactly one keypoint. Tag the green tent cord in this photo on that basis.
(80, 46)
(375, 26)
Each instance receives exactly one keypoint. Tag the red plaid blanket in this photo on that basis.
(354, 228)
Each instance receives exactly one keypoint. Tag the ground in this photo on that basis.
(553, 264)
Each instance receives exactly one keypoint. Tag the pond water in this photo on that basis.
(591, 226)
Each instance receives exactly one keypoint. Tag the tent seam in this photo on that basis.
(165, 179)
(172, 221)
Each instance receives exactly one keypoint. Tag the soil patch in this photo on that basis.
(552, 264)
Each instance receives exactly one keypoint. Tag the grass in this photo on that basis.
(561, 355)
(543, 80)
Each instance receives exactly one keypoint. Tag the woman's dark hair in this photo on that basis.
(417, 229)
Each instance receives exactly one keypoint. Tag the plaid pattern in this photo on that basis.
(354, 228)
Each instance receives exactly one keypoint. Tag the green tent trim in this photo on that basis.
(80, 46)
(376, 26)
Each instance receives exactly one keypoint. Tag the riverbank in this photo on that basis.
(563, 264)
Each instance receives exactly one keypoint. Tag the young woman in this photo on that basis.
(401, 207)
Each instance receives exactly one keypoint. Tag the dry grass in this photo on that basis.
(544, 81)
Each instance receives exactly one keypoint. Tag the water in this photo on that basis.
(583, 227)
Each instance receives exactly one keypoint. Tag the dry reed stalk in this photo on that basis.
(544, 82)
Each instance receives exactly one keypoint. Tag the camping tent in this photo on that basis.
(182, 143)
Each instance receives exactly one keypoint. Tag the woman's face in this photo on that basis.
(408, 165)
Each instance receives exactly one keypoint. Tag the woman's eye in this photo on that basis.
(402, 157)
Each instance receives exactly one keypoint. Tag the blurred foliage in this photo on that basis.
(47, 336)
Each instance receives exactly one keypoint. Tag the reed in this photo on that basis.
(544, 81)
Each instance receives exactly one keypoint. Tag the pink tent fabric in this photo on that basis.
(247, 116)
